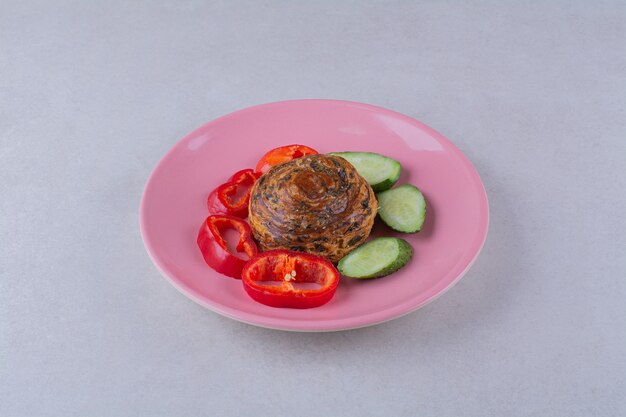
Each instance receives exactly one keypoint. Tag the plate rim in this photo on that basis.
(330, 325)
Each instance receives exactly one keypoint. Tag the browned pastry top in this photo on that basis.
(317, 204)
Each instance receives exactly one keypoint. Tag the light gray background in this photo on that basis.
(93, 94)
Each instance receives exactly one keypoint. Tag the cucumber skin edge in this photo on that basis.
(386, 184)
(423, 215)
(381, 186)
(405, 254)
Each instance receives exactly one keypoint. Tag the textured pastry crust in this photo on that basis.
(317, 204)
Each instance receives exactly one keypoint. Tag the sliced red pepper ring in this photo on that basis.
(233, 196)
(284, 278)
(215, 250)
(282, 154)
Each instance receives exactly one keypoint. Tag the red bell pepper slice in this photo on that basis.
(215, 249)
(233, 196)
(282, 154)
(284, 278)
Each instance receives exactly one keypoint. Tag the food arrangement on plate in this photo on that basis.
(310, 216)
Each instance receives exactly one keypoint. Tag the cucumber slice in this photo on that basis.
(376, 258)
(402, 208)
(380, 172)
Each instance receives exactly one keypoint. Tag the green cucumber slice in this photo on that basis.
(376, 258)
(402, 208)
(380, 172)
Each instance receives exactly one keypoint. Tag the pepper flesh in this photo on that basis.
(270, 278)
(225, 199)
(282, 154)
(215, 249)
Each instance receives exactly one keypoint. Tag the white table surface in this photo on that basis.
(92, 95)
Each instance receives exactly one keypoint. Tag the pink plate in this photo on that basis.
(173, 207)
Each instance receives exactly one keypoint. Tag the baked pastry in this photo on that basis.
(317, 204)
